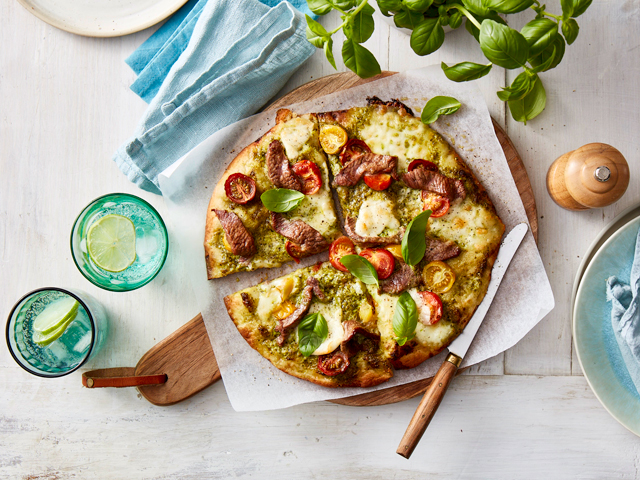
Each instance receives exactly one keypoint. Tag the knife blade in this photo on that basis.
(459, 347)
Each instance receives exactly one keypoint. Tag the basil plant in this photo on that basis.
(539, 46)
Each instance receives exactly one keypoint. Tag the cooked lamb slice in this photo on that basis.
(350, 229)
(401, 279)
(440, 250)
(393, 103)
(435, 182)
(317, 291)
(303, 235)
(237, 236)
(350, 346)
(284, 325)
(279, 169)
(365, 163)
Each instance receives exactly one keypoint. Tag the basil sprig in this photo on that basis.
(538, 47)
(405, 318)
(361, 268)
(312, 331)
(281, 200)
(439, 106)
(414, 244)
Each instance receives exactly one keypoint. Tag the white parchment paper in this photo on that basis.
(251, 382)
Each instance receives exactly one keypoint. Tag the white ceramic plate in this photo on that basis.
(102, 18)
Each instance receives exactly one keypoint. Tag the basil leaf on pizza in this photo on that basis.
(281, 200)
(312, 331)
(405, 319)
(361, 268)
(414, 243)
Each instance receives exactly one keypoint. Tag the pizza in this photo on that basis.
(406, 203)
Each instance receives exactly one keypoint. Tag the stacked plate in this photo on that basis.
(611, 254)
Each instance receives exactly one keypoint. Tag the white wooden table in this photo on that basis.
(65, 107)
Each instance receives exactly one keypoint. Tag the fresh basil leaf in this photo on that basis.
(405, 318)
(418, 5)
(319, 7)
(359, 60)
(520, 87)
(455, 20)
(414, 244)
(434, 108)
(444, 20)
(427, 37)
(507, 6)
(312, 331)
(344, 5)
(390, 5)
(281, 200)
(476, 6)
(316, 33)
(555, 51)
(473, 30)
(407, 19)
(361, 268)
(531, 105)
(465, 71)
(570, 30)
(539, 33)
(546, 65)
(567, 8)
(580, 6)
(328, 51)
(360, 27)
(502, 45)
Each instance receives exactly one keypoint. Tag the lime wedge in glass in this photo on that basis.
(111, 243)
(45, 339)
(55, 314)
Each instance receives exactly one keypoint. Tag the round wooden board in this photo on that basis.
(342, 81)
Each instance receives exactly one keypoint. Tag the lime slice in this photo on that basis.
(55, 314)
(111, 243)
(44, 340)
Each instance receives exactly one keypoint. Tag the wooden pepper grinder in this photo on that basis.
(593, 176)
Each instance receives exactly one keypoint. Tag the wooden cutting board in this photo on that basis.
(186, 356)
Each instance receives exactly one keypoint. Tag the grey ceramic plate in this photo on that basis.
(593, 336)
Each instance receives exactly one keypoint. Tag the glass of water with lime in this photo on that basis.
(52, 331)
(119, 242)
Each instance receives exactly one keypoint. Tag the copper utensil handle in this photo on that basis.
(428, 405)
(119, 377)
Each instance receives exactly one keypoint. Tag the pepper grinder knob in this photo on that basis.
(593, 176)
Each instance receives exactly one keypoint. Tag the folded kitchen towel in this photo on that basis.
(625, 316)
(240, 54)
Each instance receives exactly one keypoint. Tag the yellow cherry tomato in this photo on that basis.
(396, 251)
(438, 276)
(332, 138)
(283, 310)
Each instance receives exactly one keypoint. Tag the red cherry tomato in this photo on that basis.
(435, 305)
(426, 164)
(293, 250)
(438, 204)
(310, 175)
(378, 181)
(333, 364)
(339, 248)
(240, 188)
(352, 147)
(381, 259)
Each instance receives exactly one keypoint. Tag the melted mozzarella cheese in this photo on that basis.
(267, 302)
(295, 135)
(374, 216)
(424, 309)
(433, 334)
(333, 315)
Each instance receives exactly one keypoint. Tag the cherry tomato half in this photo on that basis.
(339, 248)
(438, 204)
(438, 276)
(332, 138)
(378, 181)
(426, 164)
(352, 147)
(239, 188)
(381, 259)
(310, 175)
(333, 364)
(435, 306)
(293, 250)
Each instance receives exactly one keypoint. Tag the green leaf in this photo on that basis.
(312, 331)
(502, 45)
(465, 71)
(476, 6)
(328, 51)
(281, 199)
(507, 6)
(344, 5)
(555, 50)
(539, 33)
(580, 6)
(319, 7)
(520, 87)
(405, 318)
(531, 105)
(455, 20)
(570, 30)
(567, 8)
(361, 268)
(434, 108)
(420, 6)
(547, 64)
(389, 5)
(427, 37)
(359, 60)
(360, 28)
(473, 30)
(414, 244)
(316, 33)
(407, 19)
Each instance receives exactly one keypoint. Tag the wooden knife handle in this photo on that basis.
(428, 405)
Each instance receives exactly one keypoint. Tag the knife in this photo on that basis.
(459, 347)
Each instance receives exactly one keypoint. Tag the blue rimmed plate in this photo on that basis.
(593, 336)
